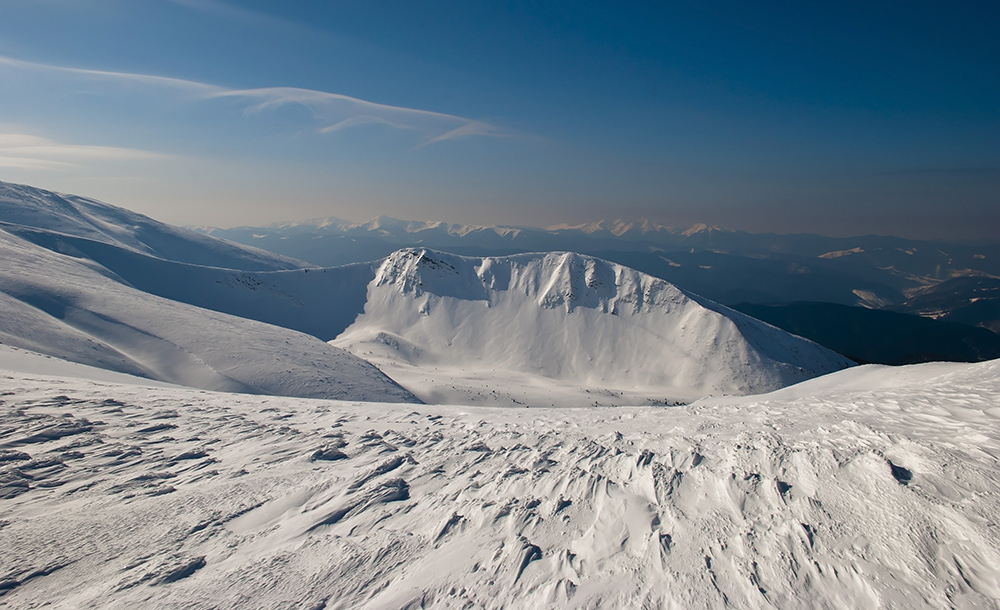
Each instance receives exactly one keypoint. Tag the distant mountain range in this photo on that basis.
(102, 286)
(731, 267)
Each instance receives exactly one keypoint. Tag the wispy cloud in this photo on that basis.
(473, 128)
(27, 151)
(332, 112)
(178, 84)
(236, 13)
(364, 119)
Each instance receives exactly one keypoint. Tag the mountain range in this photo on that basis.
(729, 267)
(191, 422)
(106, 287)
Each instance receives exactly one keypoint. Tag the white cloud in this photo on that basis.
(188, 86)
(474, 128)
(333, 111)
(364, 119)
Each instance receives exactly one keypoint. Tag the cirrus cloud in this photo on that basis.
(332, 112)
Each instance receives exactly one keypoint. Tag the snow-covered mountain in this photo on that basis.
(867, 487)
(107, 287)
(64, 292)
(872, 487)
(77, 310)
(726, 266)
(568, 318)
(38, 214)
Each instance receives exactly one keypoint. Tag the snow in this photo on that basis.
(563, 329)
(78, 310)
(26, 209)
(299, 475)
(872, 487)
(34, 363)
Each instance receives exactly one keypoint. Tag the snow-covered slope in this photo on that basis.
(76, 309)
(574, 319)
(319, 302)
(38, 214)
(883, 496)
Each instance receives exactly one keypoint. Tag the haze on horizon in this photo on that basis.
(848, 119)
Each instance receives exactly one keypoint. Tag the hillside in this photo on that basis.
(38, 214)
(880, 337)
(77, 310)
(565, 318)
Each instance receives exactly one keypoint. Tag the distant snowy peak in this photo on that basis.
(617, 228)
(574, 318)
(381, 226)
(27, 210)
(703, 229)
(387, 226)
(393, 227)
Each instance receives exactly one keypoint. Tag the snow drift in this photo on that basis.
(882, 495)
(572, 318)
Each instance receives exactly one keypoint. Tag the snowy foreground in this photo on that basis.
(865, 488)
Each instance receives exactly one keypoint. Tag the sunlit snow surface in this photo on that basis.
(869, 487)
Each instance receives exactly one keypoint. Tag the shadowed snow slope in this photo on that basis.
(882, 496)
(566, 317)
(76, 309)
(23, 208)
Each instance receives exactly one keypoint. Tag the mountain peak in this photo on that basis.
(702, 228)
(572, 318)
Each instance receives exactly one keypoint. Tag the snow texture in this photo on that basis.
(883, 493)
(524, 328)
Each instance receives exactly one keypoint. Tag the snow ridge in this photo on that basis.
(38, 214)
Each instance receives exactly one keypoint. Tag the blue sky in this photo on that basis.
(849, 118)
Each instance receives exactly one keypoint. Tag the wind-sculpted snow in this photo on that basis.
(444, 325)
(882, 494)
(78, 310)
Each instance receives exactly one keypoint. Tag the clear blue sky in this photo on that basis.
(847, 118)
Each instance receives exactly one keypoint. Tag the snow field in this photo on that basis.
(882, 495)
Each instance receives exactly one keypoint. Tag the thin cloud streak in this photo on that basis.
(130, 77)
(34, 164)
(362, 120)
(237, 13)
(338, 111)
(472, 129)
(27, 151)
